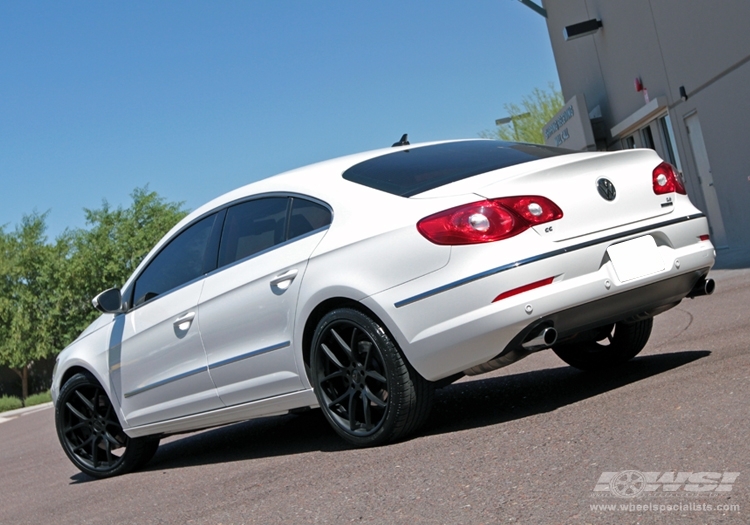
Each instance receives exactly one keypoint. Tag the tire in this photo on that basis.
(366, 389)
(91, 434)
(612, 346)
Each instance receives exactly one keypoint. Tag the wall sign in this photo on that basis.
(571, 127)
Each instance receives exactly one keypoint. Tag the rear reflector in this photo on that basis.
(524, 288)
(704, 237)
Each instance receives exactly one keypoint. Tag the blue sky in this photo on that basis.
(194, 99)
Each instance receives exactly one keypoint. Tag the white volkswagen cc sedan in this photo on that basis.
(360, 284)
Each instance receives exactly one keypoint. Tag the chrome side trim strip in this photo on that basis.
(250, 354)
(207, 368)
(541, 257)
(166, 381)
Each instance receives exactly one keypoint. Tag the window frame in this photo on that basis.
(215, 241)
(211, 246)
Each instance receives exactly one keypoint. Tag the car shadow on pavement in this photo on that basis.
(491, 401)
(460, 406)
(254, 439)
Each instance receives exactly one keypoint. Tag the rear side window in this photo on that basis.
(252, 227)
(413, 171)
(179, 262)
(257, 225)
(307, 216)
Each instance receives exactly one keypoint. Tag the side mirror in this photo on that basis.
(109, 301)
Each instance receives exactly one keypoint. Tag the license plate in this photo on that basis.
(635, 258)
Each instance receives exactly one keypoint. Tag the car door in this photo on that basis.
(248, 306)
(163, 372)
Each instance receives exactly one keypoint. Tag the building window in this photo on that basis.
(667, 136)
(647, 138)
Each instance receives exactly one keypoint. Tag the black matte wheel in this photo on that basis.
(91, 434)
(608, 347)
(366, 389)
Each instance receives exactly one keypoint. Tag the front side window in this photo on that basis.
(180, 261)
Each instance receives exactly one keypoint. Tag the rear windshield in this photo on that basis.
(413, 171)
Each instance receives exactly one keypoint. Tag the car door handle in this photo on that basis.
(284, 280)
(183, 322)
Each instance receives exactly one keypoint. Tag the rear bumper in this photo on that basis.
(648, 300)
(462, 326)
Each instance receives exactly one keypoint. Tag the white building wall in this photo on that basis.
(699, 44)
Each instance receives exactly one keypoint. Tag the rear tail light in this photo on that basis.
(489, 220)
(667, 179)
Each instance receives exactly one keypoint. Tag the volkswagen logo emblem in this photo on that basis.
(606, 189)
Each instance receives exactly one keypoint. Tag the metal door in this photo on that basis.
(700, 155)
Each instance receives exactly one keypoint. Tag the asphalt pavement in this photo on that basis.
(662, 440)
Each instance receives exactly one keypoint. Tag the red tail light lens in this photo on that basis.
(667, 179)
(488, 221)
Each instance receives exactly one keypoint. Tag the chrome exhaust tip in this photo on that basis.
(702, 287)
(543, 339)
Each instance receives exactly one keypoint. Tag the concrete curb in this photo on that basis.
(12, 414)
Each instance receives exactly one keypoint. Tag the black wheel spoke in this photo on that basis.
(345, 347)
(76, 427)
(376, 376)
(366, 411)
(331, 356)
(334, 375)
(83, 445)
(375, 399)
(353, 339)
(95, 452)
(365, 347)
(352, 412)
(339, 399)
(111, 440)
(76, 412)
(88, 403)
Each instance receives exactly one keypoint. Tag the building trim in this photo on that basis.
(644, 115)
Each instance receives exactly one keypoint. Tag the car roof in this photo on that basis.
(325, 181)
(322, 179)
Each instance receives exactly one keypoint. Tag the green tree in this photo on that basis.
(104, 254)
(27, 297)
(529, 117)
(46, 289)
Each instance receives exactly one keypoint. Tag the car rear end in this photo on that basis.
(549, 248)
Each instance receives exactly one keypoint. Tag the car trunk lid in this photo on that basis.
(595, 193)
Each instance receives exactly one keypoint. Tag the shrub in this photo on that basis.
(38, 399)
(9, 403)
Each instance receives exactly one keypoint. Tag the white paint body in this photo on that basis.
(242, 349)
